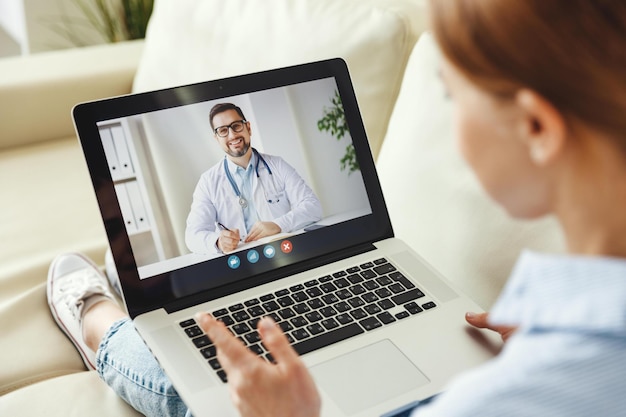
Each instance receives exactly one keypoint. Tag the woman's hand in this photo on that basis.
(481, 321)
(257, 387)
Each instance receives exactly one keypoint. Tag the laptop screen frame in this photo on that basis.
(326, 244)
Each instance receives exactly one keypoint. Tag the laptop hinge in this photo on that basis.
(265, 278)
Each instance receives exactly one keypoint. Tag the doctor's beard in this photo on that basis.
(238, 154)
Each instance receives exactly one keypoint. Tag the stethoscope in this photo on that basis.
(242, 200)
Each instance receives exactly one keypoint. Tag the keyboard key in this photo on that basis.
(267, 297)
(330, 299)
(383, 292)
(241, 328)
(315, 328)
(368, 274)
(402, 315)
(372, 309)
(344, 318)
(270, 358)
(326, 278)
(227, 320)
(315, 303)
(397, 276)
(286, 313)
(296, 288)
(340, 274)
(299, 296)
(386, 304)
(370, 323)
(328, 311)
(252, 302)
(385, 317)
(413, 308)
(311, 283)
(254, 322)
(201, 341)
(380, 261)
(355, 278)
(384, 269)
(342, 307)
(357, 289)
(214, 363)
(300, 334)
(187, 323)
(370, 297)
(299, 322)
(235, 307)
(343, 294)
(285, 326)
(256, 311)
(285, 301)
(328, 338)
(253, 337)
(256, 349)
(271, 306)
(371, 285)
(220, 312)
(240, 316)
(396, 288)
(314, 292)
(222, 376)
(209, 352)
(330, 324)
(353, 270)
(342, 283)
(313, 316)
(358, 314)
(281, 293)
(328, 287)
(194, 331)
(403, 298)
(301, 308)
(384, 280)
(367, 265)
(428, 305)
(356, 302)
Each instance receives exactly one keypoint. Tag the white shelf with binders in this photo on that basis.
(131, 191)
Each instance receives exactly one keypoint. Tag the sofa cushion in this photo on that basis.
(37, 92)
(79, 394)
(49, 208)
(198, 40)
(436, 204)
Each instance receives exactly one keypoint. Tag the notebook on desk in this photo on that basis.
(377, 326)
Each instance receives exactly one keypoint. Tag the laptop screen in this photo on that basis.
(213, 187)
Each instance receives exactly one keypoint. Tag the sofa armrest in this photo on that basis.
(37, 92)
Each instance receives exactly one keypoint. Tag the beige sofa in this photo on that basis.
(48, 206)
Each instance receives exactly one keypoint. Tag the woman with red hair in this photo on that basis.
(539, 88)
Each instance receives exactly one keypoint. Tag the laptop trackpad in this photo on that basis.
(361, 379)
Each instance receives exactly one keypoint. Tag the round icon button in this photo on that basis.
(286, 246)
(253, 256)
(269, 251)
(234, 261)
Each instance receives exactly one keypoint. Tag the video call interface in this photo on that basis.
(181, 183)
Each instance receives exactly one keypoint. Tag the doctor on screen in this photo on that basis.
(247, 195)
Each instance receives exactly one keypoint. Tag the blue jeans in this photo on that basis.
(124, 362)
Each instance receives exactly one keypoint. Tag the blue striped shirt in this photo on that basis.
(568, 357)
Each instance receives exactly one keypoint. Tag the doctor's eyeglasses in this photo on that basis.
(222, 131)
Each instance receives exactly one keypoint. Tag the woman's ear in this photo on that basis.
(543, 127)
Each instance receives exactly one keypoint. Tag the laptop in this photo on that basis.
(378, 327)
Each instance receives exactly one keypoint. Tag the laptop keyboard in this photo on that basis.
(319, 312)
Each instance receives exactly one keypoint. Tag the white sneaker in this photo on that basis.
(75, 284)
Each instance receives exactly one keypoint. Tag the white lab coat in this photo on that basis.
(283, 198)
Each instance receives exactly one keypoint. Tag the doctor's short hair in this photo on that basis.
(222, 107)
